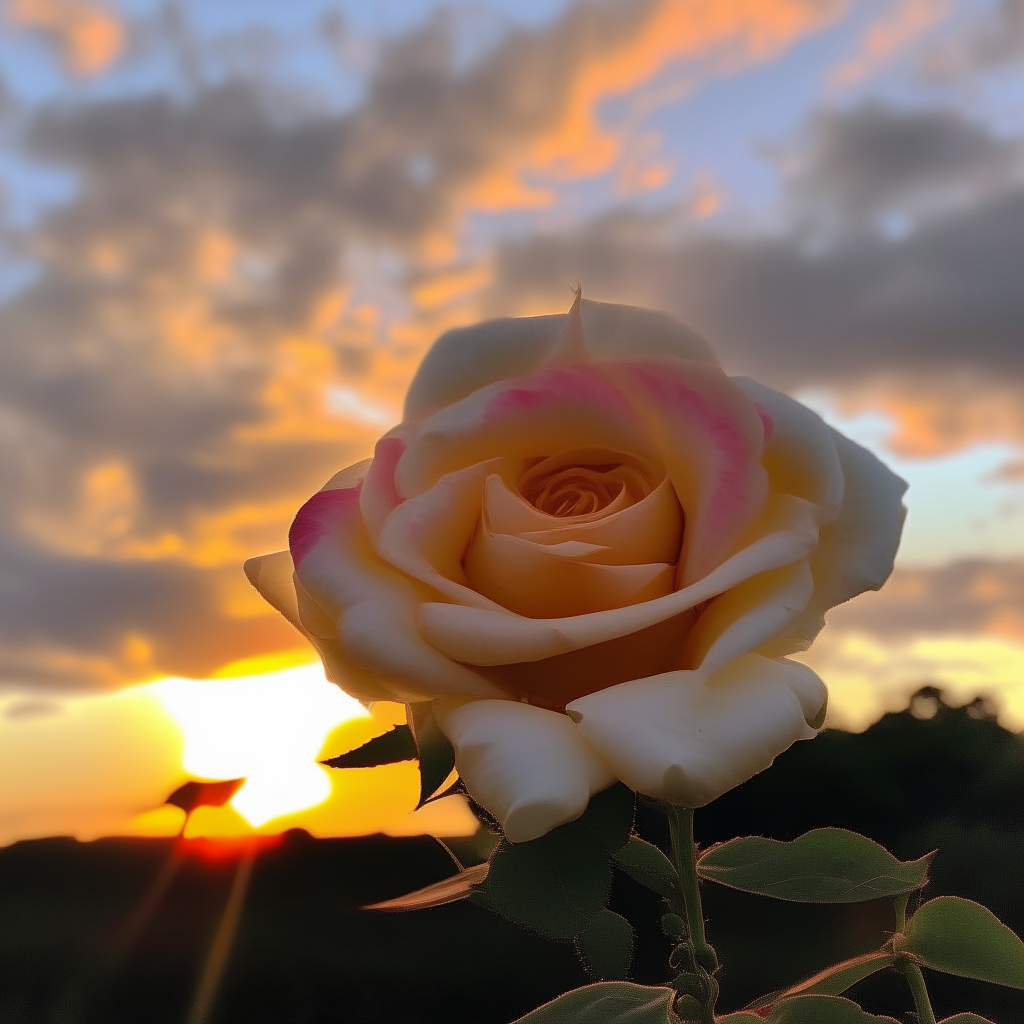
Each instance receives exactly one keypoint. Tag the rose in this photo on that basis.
(592, 550)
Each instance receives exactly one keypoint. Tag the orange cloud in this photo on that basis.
(442, 289)
(741, 31)
(642, 171)
(944, 415)
(897, 29)
(90, 37)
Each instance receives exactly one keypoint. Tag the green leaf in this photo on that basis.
(965, 1018)
(743, 1017)
(606, 947)
(607, 1002)
(964, 938)
(609, 816)
(834, 980)
(448, 890)
(394, 745)
(828, 865)
(555, 885)
(821, 1010)
(646, 864)
(434, 750)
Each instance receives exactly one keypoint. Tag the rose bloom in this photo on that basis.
(592, 551)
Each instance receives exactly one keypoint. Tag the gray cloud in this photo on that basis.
(876, 159)
(945, 299)
(967, 596)
(996, 40)
(206, 226)
(939, 310)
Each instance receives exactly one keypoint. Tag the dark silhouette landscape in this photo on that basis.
(929, 777)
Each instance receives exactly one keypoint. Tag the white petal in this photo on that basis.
(686, 738)
(856, 551)
(710, 439)
(468, 358)
(379, 495)
(555, 408)
(787, 532)
(271, 575)
(427, 536)
(525, 765)
(749, 615)
(800, 455)
(374, 607)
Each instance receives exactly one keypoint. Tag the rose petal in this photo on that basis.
(555, 682)
(710, 439)
(271, 575)
(687, 739)
(468, 358)
(749, 615)
(549, 580)
(856, 550)
(553, 409)
(379, 496)
(350, 476)
(508, 512)
(374, 606)
(427, 536)
(786, 532)
(526, 765)
(571, 344)
(800, 456)
(649, 531)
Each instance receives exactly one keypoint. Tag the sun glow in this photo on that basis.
(267, 729)
(104, 764)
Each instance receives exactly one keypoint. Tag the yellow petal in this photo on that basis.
(785, 533)
(548, 581)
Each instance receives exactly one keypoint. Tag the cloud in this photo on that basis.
(927, 318)
(993, 41)
(720, 36)
(89, 37)
(893, 32)
(234, 297)
(959, 627)
(873, 159)
(973, 596)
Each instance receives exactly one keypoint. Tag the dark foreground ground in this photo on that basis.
(306, 954)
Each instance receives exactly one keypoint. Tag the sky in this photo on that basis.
(229, 231)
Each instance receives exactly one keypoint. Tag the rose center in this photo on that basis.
(583, 482)
(576, 491)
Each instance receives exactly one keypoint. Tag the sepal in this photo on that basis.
(395, 745)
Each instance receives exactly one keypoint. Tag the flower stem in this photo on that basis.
(919, 990)
(684, 856)
(900, 906)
